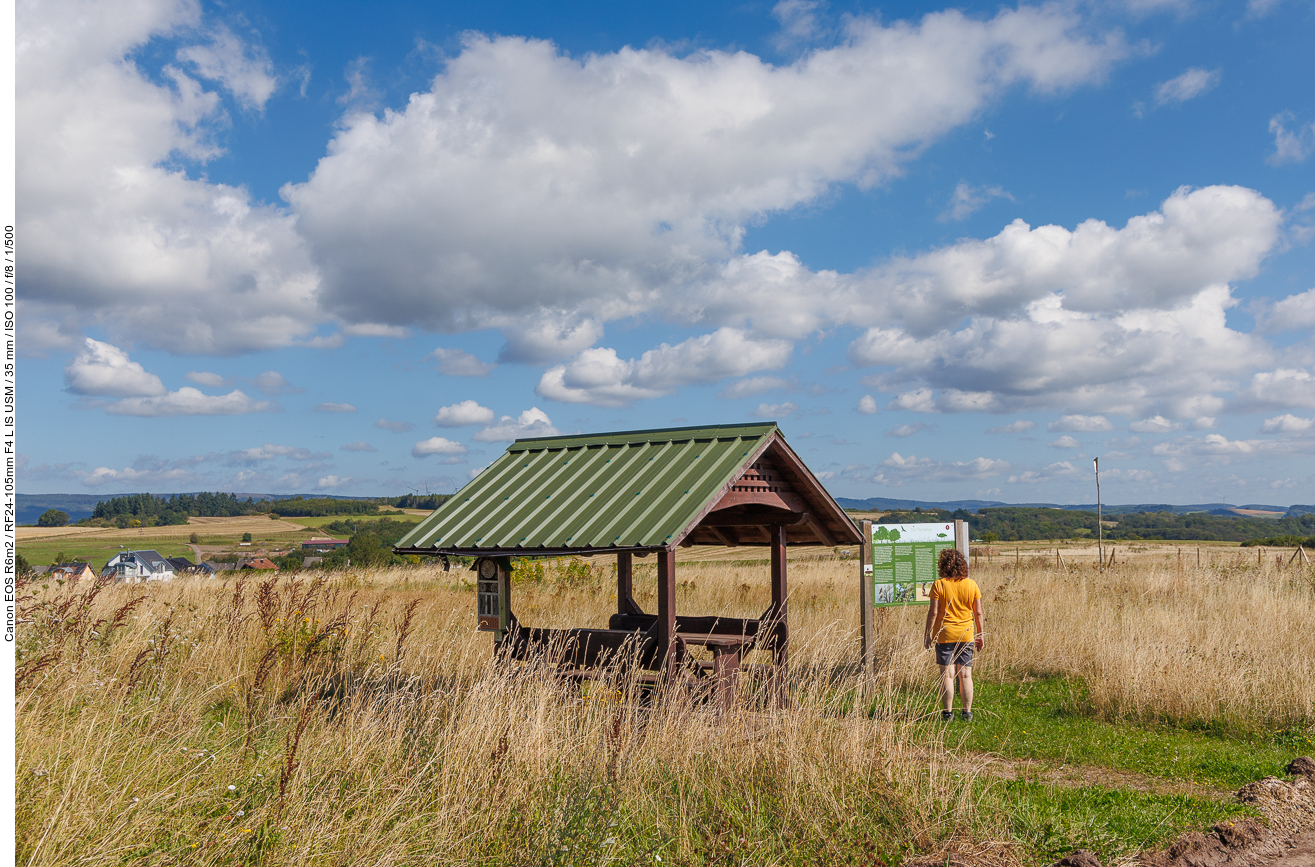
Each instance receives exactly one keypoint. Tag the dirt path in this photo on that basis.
(1076, 776)
(1285, 839)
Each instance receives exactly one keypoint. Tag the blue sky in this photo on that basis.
(954, 251)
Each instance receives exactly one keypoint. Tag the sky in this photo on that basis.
(954, 251)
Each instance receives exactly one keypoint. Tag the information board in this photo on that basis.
(904, 557)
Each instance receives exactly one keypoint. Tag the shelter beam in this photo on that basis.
(780, 629)
(668, 647)
(819, 530)
(625, 572)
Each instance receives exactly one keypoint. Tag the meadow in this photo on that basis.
(359, 718)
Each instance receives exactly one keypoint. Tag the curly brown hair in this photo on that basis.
(952, 564)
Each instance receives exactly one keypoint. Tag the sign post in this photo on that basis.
(865, 596)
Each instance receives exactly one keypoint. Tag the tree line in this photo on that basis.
(1026, 523)
(150, 510)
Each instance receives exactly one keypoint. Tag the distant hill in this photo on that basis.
(884, 504)
(1227, 510)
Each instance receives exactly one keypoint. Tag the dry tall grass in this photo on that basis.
(312, 722)
(361, 719)
(1225, 643)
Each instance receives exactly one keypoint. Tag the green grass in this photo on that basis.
(1051, 821)
(98, 551)
(1045, 720)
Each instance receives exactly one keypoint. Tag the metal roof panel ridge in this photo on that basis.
(663, 434)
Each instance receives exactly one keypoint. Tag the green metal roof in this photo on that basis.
(635, 489)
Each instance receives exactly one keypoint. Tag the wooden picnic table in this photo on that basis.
(727, 654)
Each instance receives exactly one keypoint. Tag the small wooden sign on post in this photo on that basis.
(493, 591)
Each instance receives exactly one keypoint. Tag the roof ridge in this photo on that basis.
(647, 435)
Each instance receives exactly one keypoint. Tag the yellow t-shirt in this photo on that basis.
(957, 600)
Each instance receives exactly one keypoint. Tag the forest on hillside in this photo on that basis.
(1024, 523)
(150, 510)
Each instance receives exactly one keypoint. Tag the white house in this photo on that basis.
(138, 566)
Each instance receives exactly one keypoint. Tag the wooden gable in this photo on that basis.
(774, 489)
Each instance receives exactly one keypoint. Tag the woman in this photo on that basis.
(954, 624)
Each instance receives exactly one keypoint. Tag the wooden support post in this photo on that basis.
(781, 628)
(1198, 555)
(625, 574)
(668, 652)
(865, 596)
(503, 565)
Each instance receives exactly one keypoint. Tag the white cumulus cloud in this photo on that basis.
(626, 176)
(465, 413)
(533, 422)
(437, 446)
(1291, 313)
(1287, 423)
(115, 233)
(1155, 424)
(104, 369)
(597, 376)
(1065, 442)
(191, 401)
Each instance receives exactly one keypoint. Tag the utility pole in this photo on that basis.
(1100, 525)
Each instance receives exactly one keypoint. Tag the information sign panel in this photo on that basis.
(904, 557)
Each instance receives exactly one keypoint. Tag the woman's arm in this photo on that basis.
(932, 615)
(979, 623)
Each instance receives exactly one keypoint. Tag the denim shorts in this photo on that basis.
(955, 653)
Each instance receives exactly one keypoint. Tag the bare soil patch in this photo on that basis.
(1032, 770)
(1287, 839)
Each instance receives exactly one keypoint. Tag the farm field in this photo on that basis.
(358, 718)
(216, 535)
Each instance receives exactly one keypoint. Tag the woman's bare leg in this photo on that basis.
(947, 688)
(966, 687)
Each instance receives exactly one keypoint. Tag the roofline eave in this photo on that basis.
(529, 552)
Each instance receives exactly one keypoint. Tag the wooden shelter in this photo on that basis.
(630, 494)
